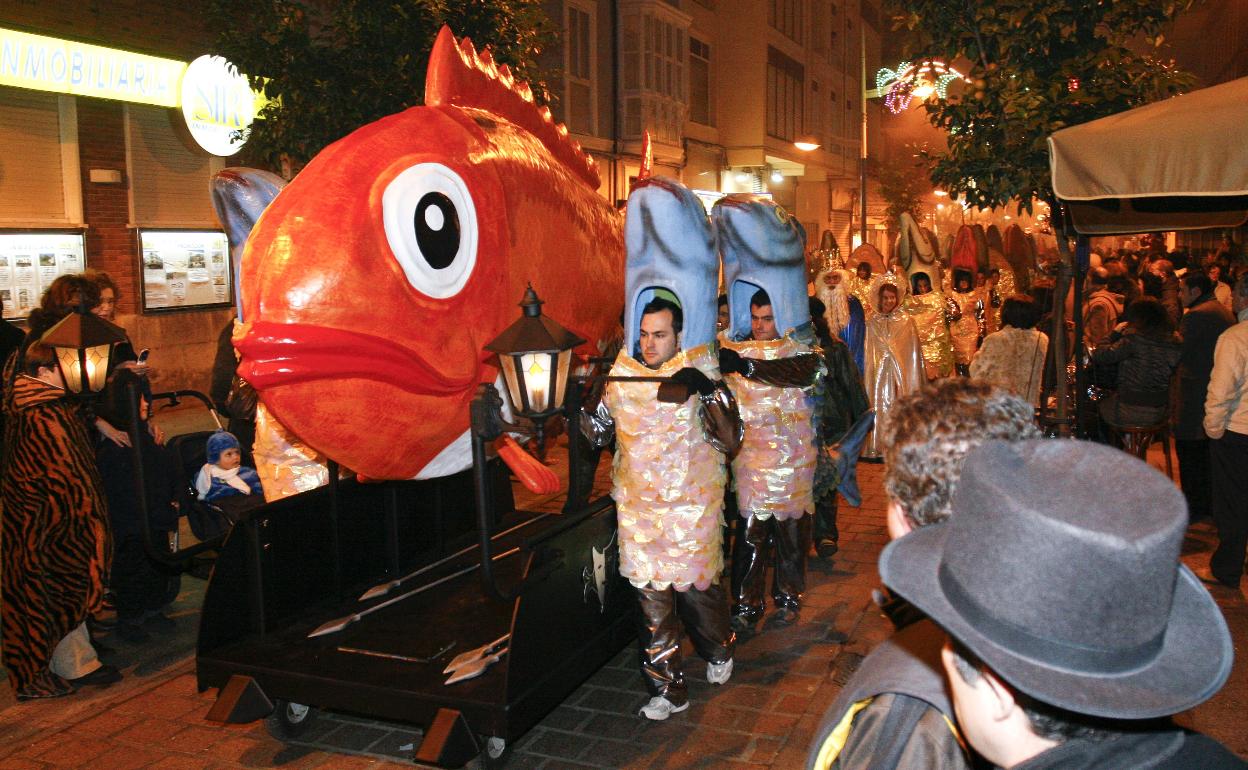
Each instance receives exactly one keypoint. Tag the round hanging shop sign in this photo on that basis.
(217, 103)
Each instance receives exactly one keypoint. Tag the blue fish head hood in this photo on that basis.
(763, 247)
(667, 239)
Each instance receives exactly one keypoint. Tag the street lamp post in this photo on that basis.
(862, 152)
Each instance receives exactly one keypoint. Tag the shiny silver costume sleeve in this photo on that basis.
(721, 420)
(597, 425)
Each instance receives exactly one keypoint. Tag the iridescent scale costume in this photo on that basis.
(775, 468)
(670, 465)
(669, 478)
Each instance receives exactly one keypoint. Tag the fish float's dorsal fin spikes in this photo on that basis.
(505, 77)
(460, 76)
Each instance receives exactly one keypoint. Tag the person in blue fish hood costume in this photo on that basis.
(670, 468)
(770, 360)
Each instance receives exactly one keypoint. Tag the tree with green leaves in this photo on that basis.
(1036, 66)
(902, 185)
(328, 68)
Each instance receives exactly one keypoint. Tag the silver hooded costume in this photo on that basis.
(894, 367)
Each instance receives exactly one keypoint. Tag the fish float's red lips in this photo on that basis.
(276, 354)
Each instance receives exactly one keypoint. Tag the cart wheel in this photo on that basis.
(289, 720)
(494, 755)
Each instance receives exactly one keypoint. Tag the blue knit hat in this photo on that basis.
(218, 442)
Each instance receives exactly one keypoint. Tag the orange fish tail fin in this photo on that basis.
(647, 157)
(535, 476)
(461, 76)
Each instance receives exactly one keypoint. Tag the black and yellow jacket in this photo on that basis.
(894, 712)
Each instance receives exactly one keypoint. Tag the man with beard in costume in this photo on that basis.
(842, 312)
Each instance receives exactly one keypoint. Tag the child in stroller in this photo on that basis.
(224, 480)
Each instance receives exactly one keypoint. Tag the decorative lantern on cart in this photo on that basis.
(83, 344)
(536, 357)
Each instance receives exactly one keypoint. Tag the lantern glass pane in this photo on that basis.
(561, 370)
(71, 372)
(96, 361)
(512, 380)
(536, 368)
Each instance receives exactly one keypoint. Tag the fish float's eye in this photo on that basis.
(431, 226)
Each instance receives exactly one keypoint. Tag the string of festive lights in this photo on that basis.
(911, 81)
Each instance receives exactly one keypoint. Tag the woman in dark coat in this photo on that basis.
(140, 585)
(1147, 354)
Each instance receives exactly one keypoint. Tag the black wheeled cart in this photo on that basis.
(374, 598)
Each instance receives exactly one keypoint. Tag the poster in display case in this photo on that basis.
(30, 262)
(185, 269)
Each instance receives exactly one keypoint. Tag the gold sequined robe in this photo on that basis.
(932, 313)
(971, 325)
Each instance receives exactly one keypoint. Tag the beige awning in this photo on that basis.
(1178, 164)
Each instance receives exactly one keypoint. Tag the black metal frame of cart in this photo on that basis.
(292, 564)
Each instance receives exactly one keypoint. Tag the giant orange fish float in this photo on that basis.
(373, 280)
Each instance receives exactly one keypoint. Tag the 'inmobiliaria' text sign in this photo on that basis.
(64, 66)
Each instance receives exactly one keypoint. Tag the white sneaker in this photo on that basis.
(718, 673)
(660, 708)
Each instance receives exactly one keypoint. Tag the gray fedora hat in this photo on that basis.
(1060, 569)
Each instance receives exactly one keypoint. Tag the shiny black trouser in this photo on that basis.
(749, 563)
(1230, 505)
(825, 519)
(704, 614)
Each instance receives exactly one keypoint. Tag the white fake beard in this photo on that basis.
(836, 306)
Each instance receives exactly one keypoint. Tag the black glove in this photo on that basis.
(694, 380)
(730, 361)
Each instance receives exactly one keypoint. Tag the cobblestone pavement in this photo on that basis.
(764, 717)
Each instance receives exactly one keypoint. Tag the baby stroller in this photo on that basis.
(208, 523)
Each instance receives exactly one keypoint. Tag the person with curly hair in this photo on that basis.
(894, 711)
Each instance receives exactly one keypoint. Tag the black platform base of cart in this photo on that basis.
(294, 564)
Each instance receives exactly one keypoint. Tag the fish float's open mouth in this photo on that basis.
(277, 354)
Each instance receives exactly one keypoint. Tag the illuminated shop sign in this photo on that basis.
(217, 104)
(215, 98)
(67, 67)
